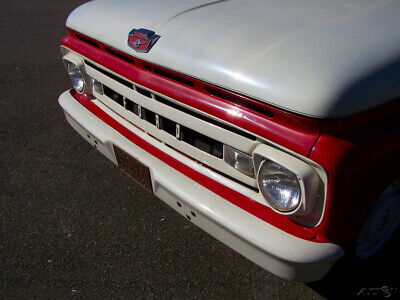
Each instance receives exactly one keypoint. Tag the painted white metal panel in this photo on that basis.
(319, 58)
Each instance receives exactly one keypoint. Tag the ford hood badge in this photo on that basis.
(141, 40)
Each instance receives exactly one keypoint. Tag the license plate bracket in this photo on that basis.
(134, 168)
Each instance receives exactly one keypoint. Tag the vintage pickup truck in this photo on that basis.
(272, 125)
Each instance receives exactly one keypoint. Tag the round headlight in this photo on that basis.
(279, 186)
(76, 76)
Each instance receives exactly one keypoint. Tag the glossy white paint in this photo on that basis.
(319, 58)
(264, 244)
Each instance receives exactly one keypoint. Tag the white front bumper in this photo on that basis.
(273, 249)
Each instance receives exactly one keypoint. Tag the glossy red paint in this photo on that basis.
(360, 155)
(260, 211)
(295, 132)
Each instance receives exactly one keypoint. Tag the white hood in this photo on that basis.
(319, 58)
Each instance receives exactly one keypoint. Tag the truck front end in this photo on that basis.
(266, 179)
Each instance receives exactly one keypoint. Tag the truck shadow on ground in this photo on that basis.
(373, 279)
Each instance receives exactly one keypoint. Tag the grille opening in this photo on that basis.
(201, 142)
(143, 92)
(87, 40)
(149, 116)
(168, 125)
(187, 135)
(113, 95)
(169, 75)
(202, 117)
(120, 55)
(239, 101)
(131, 106)
(116, 78)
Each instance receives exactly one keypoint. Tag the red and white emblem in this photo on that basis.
(141, 40)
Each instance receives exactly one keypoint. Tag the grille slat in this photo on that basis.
(187, 135)
(165, 101)
(116, 78)
(204, 118)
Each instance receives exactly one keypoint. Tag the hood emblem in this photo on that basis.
(141, 40)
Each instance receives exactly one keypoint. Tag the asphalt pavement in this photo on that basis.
(72, 224)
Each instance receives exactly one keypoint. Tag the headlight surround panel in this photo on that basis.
(308, 208)
(76, 76)
(75, 67)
